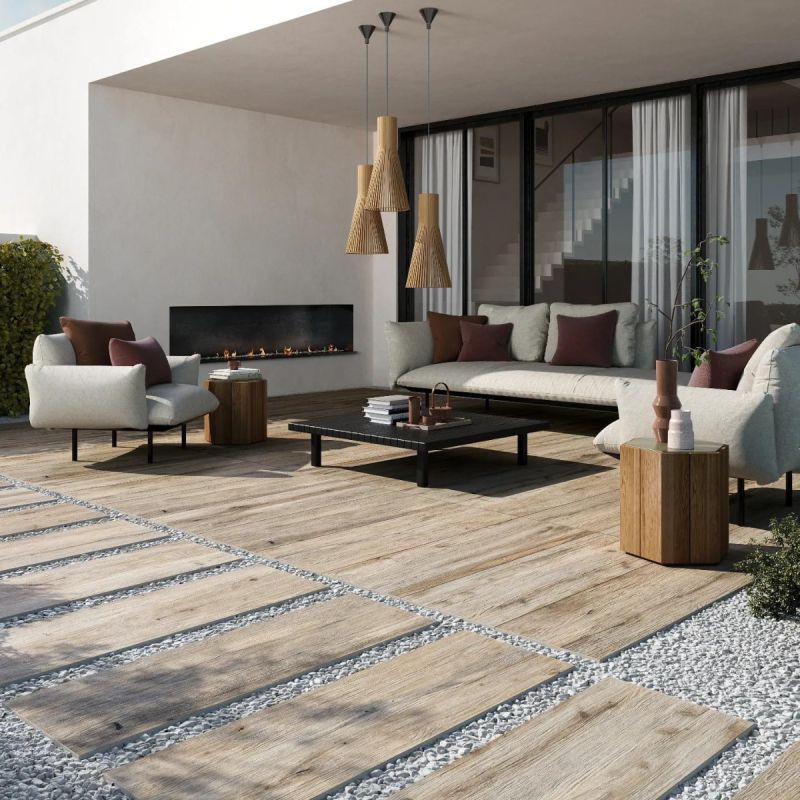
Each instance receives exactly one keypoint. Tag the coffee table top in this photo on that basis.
(356, 427)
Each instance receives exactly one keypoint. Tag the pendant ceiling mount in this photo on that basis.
(428, 268)
(387, 187)
(366, 236)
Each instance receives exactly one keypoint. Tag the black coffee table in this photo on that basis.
(356, 427)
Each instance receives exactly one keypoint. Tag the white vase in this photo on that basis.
(681, 433)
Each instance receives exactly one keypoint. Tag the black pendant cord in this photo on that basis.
(386, 17)
(366, 32)
(429, 14)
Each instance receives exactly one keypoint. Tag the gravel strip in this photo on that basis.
(720, 657)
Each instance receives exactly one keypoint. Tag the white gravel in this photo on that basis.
(720, 657)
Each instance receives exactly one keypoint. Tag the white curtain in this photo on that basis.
(726, 200)
(441, 172)
(662, 202)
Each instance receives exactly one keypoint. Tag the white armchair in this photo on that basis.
(64, 395)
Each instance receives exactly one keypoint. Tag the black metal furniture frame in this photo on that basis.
(151, 429)
(355, 427)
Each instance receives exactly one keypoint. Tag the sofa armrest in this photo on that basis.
(745, 422)
(102, 398)
(185, 369)
(409, 345)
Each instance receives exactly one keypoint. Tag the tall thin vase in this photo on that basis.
(666, 397)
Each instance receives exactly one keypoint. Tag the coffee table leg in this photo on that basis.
(316, 450)
(422, 468)
(522, 449)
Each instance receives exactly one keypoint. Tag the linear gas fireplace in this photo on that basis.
(261, 332)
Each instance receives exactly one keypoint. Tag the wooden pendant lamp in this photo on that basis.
(428, 267)
(366, 236)
(387, 188)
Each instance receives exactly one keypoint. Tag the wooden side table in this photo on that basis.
(674, 504)
(242, 414)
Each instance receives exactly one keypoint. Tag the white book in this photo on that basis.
(386, 411)
(388, 400)
(382, 421)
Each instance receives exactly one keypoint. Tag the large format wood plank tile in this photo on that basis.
(615, 740)
(314, 743)
(109, 707)
(46, 547)
(9, 498)
(34, 519)
(46, 645)
(25, 593)
(780, 781)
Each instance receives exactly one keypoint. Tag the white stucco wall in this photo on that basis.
(197, 204)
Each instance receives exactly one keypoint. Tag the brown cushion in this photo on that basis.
(447, 334)
(585, 341)
(143, 351)
(723, 369)
(90, 339)
(485, 342)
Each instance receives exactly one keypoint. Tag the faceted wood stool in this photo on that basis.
(674, 504)
(242, 414)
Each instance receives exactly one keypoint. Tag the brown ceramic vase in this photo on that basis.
(666, 397)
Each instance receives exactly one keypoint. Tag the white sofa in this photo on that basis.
(759, 421)
(64, 395)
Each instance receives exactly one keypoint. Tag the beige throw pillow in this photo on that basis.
(785, 336)
(529, 335)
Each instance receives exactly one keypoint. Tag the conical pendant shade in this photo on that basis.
(387, 189)
(366, 230)
(790, 230)
(428, 267)
(761, 256)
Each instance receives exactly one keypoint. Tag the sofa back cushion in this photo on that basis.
(723, 369)
(778, 375)
(624, 351)
(585, 341)
(529, 336)
(446, 330)
(646, 344)
(485, 342)
(142, 351)
(785, 336)
(90, 339)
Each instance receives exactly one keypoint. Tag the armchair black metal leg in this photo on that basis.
(149, 445)
(113, 438)
(183, 436)
(74, 444)
(486, 404)
(789, 497)
(740, 496)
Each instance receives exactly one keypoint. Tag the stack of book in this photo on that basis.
(387, 410)
(241, 374)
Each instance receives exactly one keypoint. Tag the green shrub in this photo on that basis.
(775, 590)
(30, 282)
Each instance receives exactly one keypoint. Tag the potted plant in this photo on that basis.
(681, 319)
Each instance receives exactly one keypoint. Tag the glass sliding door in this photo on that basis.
(619, 217)
(752, 185)
(438, 161)
(568, 207)
(495, 175)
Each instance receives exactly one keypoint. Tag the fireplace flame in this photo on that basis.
(255, 353)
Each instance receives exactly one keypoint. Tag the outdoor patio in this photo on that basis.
(233, 622)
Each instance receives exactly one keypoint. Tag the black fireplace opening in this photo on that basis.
(261, 332)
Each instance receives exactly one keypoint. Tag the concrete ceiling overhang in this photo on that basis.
(486, 56)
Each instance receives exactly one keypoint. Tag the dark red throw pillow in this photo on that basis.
(447, 334)
(585, 341)
(723, 369)
(143, 351)
(485, 342)
(90, 339)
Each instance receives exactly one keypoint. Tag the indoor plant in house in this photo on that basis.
(683, 317)
(30, 282)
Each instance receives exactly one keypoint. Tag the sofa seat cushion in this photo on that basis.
(174, 403)
(530, 380)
